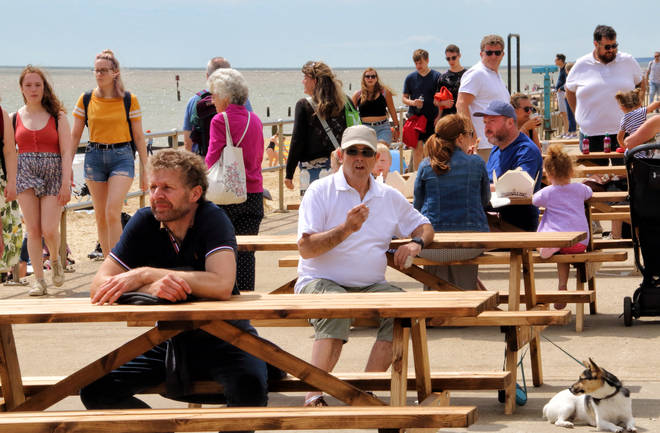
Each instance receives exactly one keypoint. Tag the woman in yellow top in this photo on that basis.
(109, 158)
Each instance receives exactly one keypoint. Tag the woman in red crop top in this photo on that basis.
(43, 180)
(373, 101)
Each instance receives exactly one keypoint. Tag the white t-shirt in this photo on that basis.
(595, 85)
(360, 259)
(486, 86)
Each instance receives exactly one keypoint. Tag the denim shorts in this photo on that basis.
(383, 130)
(100, 165)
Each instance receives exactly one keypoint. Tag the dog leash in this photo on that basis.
(571, 356)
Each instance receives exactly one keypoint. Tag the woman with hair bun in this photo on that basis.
(452, 190)
(43, 180)
(311, 145)
(109, 157)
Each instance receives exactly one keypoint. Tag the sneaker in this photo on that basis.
(38, 288)
(58, 273)
(316, 401)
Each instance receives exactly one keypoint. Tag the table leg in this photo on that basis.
(535, 356)
(10, 371)
(97, 369)
(399, 384)
(511, 365)
(528, 278)
(515, 265)
(421, 358)
(419, 274)
(264, 349)
(286, 288)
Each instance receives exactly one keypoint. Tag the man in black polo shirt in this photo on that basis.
(182, 245)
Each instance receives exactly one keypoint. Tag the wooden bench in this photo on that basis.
(582, 262)
(266, 418)
(371, 381)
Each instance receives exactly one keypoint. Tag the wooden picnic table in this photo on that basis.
(520, 244)
(409, 309)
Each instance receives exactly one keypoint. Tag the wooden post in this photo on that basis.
(10, 371)
(400, 337)
(62, 251)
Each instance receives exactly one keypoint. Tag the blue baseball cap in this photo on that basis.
(498, 108)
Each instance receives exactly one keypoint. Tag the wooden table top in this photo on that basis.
(255, 306)
(488, 240)
(583, 171)
(595, 197)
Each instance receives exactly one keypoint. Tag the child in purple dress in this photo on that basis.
(564, 208)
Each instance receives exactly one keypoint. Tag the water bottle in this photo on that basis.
(421, 98)
(585, 145)
(607, 144)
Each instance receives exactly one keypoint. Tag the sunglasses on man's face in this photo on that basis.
(370, 77)
(608, 47)
(366, 152)
(493, 52)
(529, 109)
(450, 58)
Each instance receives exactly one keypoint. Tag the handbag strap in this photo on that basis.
(325, 125)
(229, 140)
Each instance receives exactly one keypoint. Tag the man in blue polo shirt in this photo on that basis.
(511, 149)
(182, 245)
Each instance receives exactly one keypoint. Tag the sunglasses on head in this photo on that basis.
(451, 58)
(528, 109)
(366, 152)
(370, 77)
(493, 52)
(610, 46)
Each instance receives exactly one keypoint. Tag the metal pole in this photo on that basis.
(508, 52)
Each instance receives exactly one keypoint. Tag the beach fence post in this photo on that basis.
(545, 70)
(280, 162)
(63, 245)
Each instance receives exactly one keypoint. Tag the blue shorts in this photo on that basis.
(383, 130)
(100, 165)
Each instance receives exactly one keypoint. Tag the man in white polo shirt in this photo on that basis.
(481, 85)
(345, 225)
(591, 85)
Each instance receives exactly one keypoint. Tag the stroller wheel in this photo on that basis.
(627, 311)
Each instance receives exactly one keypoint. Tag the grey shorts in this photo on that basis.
(340, 328)
(40, 171)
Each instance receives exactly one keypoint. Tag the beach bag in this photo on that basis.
(443, 95)
(227, 183)
(351, 113)
(411, 129)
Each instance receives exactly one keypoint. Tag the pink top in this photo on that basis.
(252, 144)
(564, 208)
(44, 140)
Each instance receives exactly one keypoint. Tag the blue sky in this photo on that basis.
(286, 33)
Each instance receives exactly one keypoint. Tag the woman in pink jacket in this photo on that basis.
(230, 91)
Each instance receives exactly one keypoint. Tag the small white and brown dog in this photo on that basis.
(597, 399)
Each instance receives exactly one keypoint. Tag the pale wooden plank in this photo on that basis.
(584, 171)
(508, 318)
(399, 374)
(421, 356)
(10, 371)
(528, 276)
(209, 419)
(514, 280)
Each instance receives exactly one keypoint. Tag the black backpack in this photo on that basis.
(127, 108)
(201, 122)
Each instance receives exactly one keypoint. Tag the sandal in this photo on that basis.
(315, 401)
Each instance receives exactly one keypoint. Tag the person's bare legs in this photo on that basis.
(564, 122)
(31, 209)
(99, 193)
(50, 224)
(380, 357)
(118, 187)
(325, 354)
(562, 271)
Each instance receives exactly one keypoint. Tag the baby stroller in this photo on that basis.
(644, 187)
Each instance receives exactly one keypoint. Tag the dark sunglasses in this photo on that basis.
(613, 46)
(371, 76)
(528, 109)
(493, 52)
(451, 58)
(367, 152)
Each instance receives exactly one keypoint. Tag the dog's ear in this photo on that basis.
(587, 364)
(593, 366)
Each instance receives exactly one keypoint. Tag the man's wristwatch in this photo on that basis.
(418, 241)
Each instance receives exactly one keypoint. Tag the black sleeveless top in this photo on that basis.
(373, 108)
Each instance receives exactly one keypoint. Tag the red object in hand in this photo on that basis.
(620, 149)
(443, 95)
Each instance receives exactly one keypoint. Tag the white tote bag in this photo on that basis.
(227, 176)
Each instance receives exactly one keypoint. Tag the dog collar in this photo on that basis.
(597, 400)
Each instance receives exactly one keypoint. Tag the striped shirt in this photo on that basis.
(633, 120)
